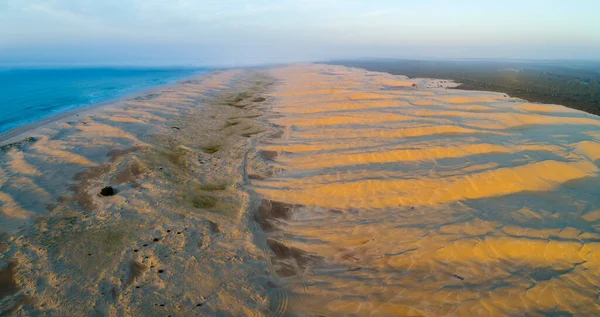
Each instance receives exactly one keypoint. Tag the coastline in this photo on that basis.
(303, 188)
(14, 134)
(178, 216)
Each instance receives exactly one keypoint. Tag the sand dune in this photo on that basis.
(430, 202)
(304, 190)
(174, 240)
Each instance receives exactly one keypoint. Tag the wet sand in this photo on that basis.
(304, 190)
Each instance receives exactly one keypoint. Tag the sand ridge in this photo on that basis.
(304, 190)
(417, 200)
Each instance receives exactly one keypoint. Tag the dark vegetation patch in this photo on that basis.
(173, 153)
(91, 173)
(3, 245)
(231, 123)
(251, 133)
(21, 301)
(8, 285)
(399, 88)
(128, 173)
(236, 99)
(204, 201)
(146, 97)
(18, 144)
(259, 99)
(211, 148)
(136, 269)
(177, 156)
(575, 84)
(269, 155)
(213, 187)
(249, 117)
(115, 154)
(241, 96)
(276, 135)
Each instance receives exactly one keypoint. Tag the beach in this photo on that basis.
(175, 238)
(303, 190)
(33, 95)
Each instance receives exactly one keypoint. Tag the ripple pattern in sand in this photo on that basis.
(431, 201)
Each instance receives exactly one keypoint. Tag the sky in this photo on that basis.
(243, 32)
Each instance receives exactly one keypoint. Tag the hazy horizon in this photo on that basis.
(236, 33)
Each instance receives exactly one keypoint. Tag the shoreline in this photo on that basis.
(19, 133)
(15, 133)
(179, 215)
(253, 192)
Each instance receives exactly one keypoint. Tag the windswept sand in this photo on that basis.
(177, 239)
(430, 202)
(304, 190)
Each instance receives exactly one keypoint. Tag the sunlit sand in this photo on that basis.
(304, 190)
(430, 201)
(175, 239)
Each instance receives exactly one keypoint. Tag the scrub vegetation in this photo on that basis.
(574, 84)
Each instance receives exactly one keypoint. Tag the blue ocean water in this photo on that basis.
(27, 94)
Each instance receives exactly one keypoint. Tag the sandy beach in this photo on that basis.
(304, 190)
(175, 239)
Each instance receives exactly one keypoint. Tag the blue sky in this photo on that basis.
(248, 32)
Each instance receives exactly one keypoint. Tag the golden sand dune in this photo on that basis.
(304, 190)
(429, 201)
(405, 153)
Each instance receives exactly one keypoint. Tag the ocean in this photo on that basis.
(31, 94)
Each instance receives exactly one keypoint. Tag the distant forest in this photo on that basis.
(574, 84)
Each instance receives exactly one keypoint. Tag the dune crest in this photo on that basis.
(415, 200)
(304, 190)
